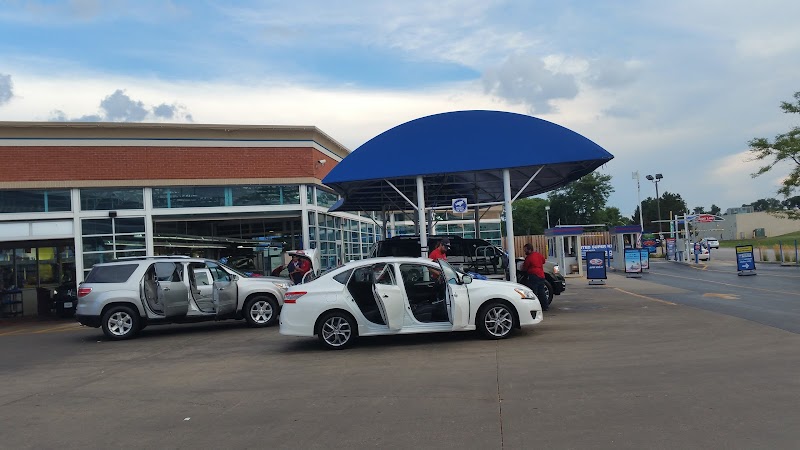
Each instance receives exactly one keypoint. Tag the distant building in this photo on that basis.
(741, 210)
(747, 225)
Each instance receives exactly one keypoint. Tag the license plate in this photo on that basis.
(67, 304)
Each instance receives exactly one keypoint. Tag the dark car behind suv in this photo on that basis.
(468, 255)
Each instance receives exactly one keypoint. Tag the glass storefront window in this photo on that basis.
(309, 194)
(265, 195)
(25, 268)
(108, 239)
(128, 225)
(111, 199)
(97, 226)
(325, 198)
(35, 200)
(215, 196)
(189, 197)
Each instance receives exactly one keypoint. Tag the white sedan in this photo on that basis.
(395, 295)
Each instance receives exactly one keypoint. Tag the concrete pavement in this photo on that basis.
(611, 366)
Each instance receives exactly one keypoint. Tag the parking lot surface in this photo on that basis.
(613, 366)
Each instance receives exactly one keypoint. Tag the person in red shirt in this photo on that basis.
(533, 267)
(440, 252)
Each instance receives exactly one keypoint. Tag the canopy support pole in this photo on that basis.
(404, 195)
(477, 215)
(423, 235)
(385, 231)
(526, 184)
(512, 258)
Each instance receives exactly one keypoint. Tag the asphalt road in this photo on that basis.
(624, 365)
(772, 297)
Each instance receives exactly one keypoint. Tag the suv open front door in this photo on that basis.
(225, 296)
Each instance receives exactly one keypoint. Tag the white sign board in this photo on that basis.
(459, 205)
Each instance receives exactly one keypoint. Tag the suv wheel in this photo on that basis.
(120, 322)
(548, 290)
(261, 311)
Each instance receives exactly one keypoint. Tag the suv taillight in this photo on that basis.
(291, 297)
(83, 292)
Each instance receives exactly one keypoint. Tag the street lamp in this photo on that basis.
(547, 211)
(655, 180)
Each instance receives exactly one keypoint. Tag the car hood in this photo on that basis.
(492, 283)
(268, 279)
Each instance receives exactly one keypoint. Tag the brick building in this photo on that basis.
(75, 194)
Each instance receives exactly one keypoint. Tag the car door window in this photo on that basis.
(201, 277)
(168, 271)
(450, 275)
(384, 274)
(218, 273)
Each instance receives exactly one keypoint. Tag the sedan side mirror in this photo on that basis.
(466, 279)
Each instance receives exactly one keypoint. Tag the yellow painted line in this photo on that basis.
(34, 330)
(729, 284)
(9, 333)
(722, 296)
(646, 297)
(61, 327)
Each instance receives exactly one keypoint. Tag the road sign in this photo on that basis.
(459, 205)
(745, 263)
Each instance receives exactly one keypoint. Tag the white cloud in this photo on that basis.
(525, 79)
(6, 89)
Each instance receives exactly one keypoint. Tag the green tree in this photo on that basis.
(766, 204)
(791, 202)
(698, 210)
(581, 202)
(529, 216)
(612, 217)
(785, 148)
(715, 210)
(670, 203)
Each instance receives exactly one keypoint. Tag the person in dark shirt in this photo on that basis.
(533, 267)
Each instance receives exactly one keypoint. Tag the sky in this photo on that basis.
(676, 88)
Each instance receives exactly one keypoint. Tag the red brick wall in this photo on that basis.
(153, 163)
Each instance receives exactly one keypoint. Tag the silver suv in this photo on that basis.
(124, 296)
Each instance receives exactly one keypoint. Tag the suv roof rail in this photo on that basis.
(135, 258)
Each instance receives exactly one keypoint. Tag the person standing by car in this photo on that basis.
(440, 252)
(294, 270)
(533, 267)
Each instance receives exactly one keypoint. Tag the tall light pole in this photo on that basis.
(655, 181)
(639, 197)
(547, 211)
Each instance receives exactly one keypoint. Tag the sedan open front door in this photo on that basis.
(457, 297)
(389, 296)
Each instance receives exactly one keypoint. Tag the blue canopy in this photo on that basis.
(462, 154)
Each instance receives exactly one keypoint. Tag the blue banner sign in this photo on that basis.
(606, 248)
(633, 260)
(596, 265)
(645, 259)
(649, 242)
(671, 249)
(744, 258)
